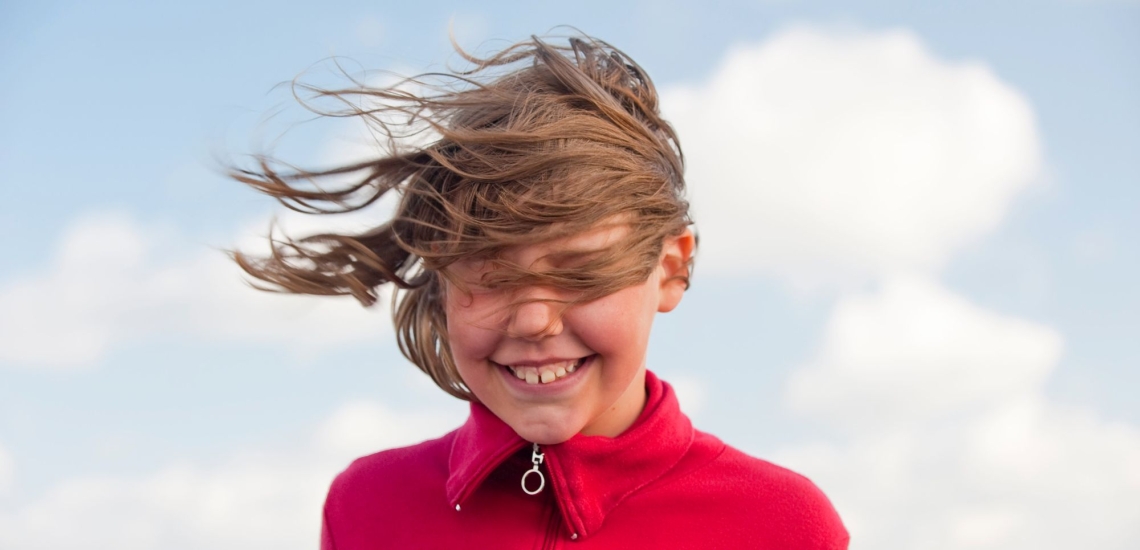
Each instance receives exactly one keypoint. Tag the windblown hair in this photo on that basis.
(535, 142)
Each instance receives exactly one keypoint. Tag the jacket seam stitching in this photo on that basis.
(711, 461)
(672, 465)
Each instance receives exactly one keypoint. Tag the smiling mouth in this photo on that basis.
(545, 374)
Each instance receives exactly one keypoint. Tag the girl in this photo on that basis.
(540, 229)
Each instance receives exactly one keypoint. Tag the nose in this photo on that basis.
(535, 319)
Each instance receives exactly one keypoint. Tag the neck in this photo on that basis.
(623, 413)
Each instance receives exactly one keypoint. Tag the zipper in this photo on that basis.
(536, 459)
(554, 523)
(553, 527)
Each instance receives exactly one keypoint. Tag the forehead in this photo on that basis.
(540, 255)
(600, 237)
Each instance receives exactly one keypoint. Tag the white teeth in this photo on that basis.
(546, 373)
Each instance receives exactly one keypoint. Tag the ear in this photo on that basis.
(676, 253)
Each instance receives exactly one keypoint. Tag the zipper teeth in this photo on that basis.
(566, 510)
(552, 525)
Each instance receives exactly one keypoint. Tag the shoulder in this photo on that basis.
(775, 504)
(792, 502)
(765, 478)
(383, 479)
(379, 495)
(427, 456)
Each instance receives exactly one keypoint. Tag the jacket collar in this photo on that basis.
(590, 475)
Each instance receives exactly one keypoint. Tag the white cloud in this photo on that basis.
(841, 158)
(915, 350)
(261, 499)
(356, 428)
(949, 441)
(114, 282)
(1023, 474)
(829, 157)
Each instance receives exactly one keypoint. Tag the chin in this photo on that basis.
(545, 434)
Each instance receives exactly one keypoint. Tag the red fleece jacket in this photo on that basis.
(660, 484)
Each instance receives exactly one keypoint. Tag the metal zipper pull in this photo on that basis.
(535, 457)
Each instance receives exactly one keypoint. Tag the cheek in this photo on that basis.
(617, 324)
(469, 332)
(470, 347)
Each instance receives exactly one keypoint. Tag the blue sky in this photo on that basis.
(130, 358)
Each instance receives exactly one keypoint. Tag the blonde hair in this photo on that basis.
(535, 142)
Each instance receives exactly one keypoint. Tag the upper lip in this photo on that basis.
(539, 362)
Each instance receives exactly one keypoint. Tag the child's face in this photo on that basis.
(593, 357)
